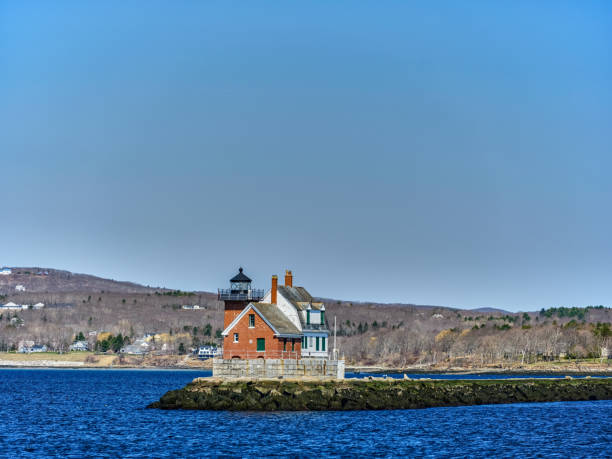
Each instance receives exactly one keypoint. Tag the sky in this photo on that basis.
(442, 153)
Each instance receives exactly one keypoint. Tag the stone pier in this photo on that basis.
(277, 368)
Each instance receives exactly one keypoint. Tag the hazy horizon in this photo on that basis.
(446, 154)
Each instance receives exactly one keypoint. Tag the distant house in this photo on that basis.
(79, 346)
(208, 352)
(17, 322)
(132, 349)
(20, 288)
(11, 306)
(38, 306)
(139, 347)
(27, 347)
(5, 271)
(191, 306)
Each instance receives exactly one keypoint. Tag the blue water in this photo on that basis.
(100, 413)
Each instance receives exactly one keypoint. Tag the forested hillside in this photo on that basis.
(367, 333)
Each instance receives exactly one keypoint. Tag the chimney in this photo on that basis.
(274, 289)
(288, 279)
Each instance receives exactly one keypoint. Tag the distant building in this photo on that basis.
(38, 306)
(17, 322)
(11, 306)
(20, 288)
(191, 306)
(27, 347)
(79, 346)
(5, 271)
(208, 352)
(139, 347)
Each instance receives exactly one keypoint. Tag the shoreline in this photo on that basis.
(586, 370)
(16, 365)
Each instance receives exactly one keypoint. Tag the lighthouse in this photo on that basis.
(238, 296)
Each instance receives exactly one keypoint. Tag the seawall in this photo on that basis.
(358, 394)
(278, 368)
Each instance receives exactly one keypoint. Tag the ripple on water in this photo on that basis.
(85, 413)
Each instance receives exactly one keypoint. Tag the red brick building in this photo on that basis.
(261, 331)
(285, 323)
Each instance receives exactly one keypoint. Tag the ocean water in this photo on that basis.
(101, 413)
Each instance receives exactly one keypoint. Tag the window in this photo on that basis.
(235, 337)
(308, 316)
(310, 341)
(251, 320)
(261, 344)
(304, 342)
(322, 317)
(284, 344)
(317, 339)
(323, 343)
(292, 344)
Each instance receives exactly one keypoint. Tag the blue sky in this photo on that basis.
(451, 153)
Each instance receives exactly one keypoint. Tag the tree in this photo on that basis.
(526, 317)
(80, 337)
(181, 349)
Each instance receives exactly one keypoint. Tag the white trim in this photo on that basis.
(242, 314)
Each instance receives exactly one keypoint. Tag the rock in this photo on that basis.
(375, 394)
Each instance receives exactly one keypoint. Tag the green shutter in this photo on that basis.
(261, 344)
(322, 317)
(284, 344)
(317, 343)
(292, 344)
(308, 316)
(323, 344)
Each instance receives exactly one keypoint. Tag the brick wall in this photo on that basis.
(275, 368)
(246, 347)
(231, 311)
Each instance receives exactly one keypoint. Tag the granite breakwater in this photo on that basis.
(375, 394)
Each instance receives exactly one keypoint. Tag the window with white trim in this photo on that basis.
(235, 337)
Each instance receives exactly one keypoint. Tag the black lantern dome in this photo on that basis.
(240, 289)
(240, 283)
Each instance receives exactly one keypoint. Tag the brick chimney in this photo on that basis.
(288, 279)
(274, 290)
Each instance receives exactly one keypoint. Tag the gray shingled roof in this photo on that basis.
(279, 321)
(300, 298)
(295, 295)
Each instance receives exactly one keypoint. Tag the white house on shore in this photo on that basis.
(5, 271)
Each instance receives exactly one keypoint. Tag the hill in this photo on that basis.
(46, 280)
(367, 333)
